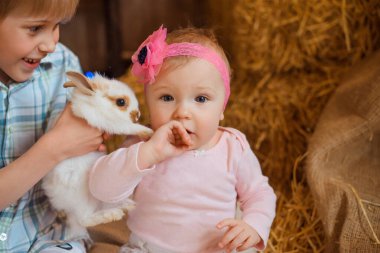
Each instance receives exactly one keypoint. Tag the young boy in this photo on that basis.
(32, 73)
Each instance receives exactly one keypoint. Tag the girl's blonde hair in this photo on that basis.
(60, 9)
(204, 37)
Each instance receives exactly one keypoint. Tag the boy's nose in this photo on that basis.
(49, 42)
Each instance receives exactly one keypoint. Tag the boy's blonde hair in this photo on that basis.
(204, 37)
(60, 9)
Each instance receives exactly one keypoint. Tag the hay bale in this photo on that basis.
(297, 224)
(283, 36)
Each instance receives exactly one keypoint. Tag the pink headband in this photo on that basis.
(150, 55)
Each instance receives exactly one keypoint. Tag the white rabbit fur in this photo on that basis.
(96, 101)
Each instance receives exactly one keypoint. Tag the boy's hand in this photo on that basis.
(239, 235)
(167, 141)
(73, 136)
(102, 147)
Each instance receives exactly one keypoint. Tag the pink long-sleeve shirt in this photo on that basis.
(180, 201)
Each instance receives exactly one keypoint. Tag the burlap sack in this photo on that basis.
(343, 166)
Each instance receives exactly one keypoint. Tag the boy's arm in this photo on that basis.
(70, 136)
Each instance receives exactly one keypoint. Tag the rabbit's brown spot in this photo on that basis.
(121, 102)
(135, 115)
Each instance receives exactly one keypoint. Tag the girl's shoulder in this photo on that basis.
(235, 138)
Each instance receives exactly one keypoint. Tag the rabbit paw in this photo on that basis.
(128, 205)
(146, 134)
(103, 216)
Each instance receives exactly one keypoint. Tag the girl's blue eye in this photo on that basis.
(201, 99)
(167, 98)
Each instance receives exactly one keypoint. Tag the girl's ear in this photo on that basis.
(221, 116)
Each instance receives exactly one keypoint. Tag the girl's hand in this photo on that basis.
(239, 235)
(167, 141)
(73, 136)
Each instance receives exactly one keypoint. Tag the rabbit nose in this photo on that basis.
(135, 115)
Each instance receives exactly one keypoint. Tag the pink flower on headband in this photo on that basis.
(147, 60)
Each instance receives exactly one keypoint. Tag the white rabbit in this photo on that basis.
(111, 106)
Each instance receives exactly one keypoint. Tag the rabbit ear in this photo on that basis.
(79, 81)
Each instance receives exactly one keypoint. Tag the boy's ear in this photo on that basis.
(79, 81)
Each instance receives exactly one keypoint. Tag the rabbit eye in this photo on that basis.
(120, 102)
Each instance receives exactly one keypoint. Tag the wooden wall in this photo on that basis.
(104, 33)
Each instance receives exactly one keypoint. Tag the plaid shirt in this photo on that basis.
(27, 110)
